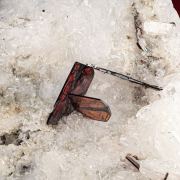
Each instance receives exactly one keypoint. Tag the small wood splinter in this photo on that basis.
(133, 161)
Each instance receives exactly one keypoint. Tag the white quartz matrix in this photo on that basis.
(39, 42)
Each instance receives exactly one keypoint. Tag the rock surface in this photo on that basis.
(40, 41)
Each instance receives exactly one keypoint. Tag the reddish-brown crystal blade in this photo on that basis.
(91, 107)
(78, 83)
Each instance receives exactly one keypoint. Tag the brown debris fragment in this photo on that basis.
(15, 137)
(11, 138)
(128, 37)
(141, 44)
(133, 161)
(166, 176)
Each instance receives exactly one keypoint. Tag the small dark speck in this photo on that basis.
(128, 37)
(67, 16)
(43, 10)
(25, 168)
(1, 93)
(28, 136)
(14, 71)
(173, 23)
(19, 142)
(10, 173)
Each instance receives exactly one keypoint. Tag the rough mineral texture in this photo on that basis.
(39, 42)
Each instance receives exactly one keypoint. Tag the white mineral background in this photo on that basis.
(39, 42)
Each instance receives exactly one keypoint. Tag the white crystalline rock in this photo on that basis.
(156, 133)
(51, 159)
(40, 41)
(4, 167)
(159, 28)
(154, 169)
